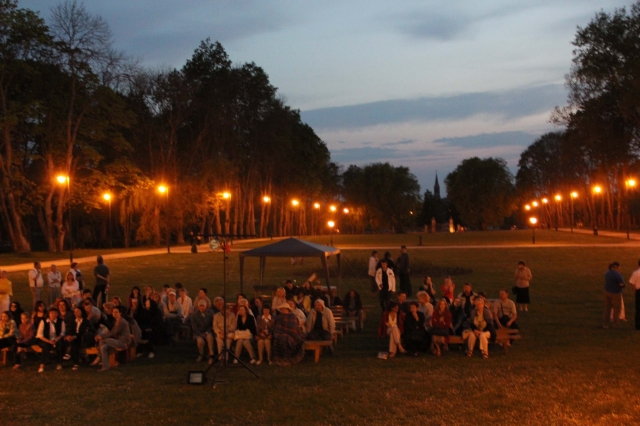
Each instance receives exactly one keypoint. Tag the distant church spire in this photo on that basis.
(436, 187)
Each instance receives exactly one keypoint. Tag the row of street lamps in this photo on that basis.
(597, 190)
(164, 190)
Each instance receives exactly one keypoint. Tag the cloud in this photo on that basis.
(402, 142)
(486, 140)
(509, 104)
(365, 155)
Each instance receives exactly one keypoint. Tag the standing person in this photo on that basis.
(403, 268)
(77, 274)
(386, 282)
(55, 281)
(36, 282)
(6, 292)
(613, 285)
(523, 276)
(70, 290)
(635, 282)
(101, 272)
(387, 258)
(373, 263)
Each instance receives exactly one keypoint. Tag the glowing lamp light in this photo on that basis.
(597, 189)
(331, 224)
(574, 194)
(62, 179)
(534, 204)
(333, 208)
(545, 200)
(316, 205)
(345, 210)
(226, 195)
(266, 199)
(107, 197)
(631, 183)
(533, 220)
(558, 197)
(295, 203)
(162, 189)
(527, 207)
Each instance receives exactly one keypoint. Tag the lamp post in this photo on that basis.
(226, 195)
(163, 189)
(331, 224)
(265, 200)
(596, 191)
(107, 198)
(558, 199)
(533, 222)
(296, 212)
(62, 180)
(630, 183)
(314, 217)
(574, 194)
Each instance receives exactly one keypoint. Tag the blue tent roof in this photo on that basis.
(292, 247)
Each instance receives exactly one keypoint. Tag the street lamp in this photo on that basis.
(527, 207)
(574, 194)
(630, 183)
(226, 195)
(331, 224)
(163, 189)
(558, 199)
(333, 208)
(295, 203)
(107, 198)
(596, 190)
(533, 222)
(534, 204)
(62, 180)
(266, 200)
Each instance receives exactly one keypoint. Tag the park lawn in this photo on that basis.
(566, 370)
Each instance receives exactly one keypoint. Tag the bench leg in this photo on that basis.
(317, 354)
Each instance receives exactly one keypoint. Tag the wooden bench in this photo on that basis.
(5, 351)
(130, 354)
(504, 336)
(317, 345)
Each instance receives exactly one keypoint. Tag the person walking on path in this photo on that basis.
(523, 276)
(373, 263)
(403, 268)
(635, 282)
(101, 272)
(36, 282)
(613, 285)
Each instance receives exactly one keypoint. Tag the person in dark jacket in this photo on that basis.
(245, 322)
(352, 305)
(414, 331)
(80, 334)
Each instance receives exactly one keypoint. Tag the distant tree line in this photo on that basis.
(234, 157)
(590, 167)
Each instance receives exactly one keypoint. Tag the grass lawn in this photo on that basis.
(566, 370)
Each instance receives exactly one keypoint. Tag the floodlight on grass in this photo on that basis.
(196, 378)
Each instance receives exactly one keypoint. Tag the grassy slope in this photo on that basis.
(566, 370)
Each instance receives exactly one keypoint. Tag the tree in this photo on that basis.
(388, 195)
(482, 191)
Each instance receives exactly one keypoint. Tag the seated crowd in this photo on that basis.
(413, 326)
(72, 328)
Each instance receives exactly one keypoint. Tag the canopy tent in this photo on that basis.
(291, 247)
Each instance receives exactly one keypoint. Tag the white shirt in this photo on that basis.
(35, 278)
(54, 278)
(373, 262)
(70, 289)
(187, 306)
(52, 329)
(635, 279)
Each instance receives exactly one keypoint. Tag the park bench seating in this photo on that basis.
(317, 345)
(504, 336)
